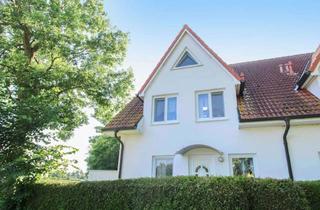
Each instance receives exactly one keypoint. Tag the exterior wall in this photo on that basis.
(304, 147)
(265, 143)
(314, 87)
(99, 175)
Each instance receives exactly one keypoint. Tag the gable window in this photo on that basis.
(186, 59)
(242, 165)
(162, 166)
(210, 105)
(165, 109)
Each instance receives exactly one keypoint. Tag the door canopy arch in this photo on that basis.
(197, 146)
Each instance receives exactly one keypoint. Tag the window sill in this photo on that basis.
(165, 123)
(212, 119)
(185, 67)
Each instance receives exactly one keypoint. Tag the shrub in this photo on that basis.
(164, 193)
(312, 191)
(274, 194)
(170, 193)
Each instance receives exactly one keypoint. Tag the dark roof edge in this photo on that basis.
(279, 118)
(119, 129)
(123, 128)
(304, 76)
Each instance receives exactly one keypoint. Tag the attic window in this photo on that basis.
(186, 60)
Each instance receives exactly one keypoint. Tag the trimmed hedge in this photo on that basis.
(171, 193)
(274, 194)
(312, 191)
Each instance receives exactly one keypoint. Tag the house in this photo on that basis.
(197, 115)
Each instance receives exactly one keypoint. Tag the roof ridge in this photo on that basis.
(267, 59)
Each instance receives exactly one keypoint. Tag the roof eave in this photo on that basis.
(280, 122)
(135, 127)
(278, 118)
(119, 128)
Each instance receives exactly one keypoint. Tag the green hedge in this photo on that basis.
(171, 193)
(274, 194)
(312, 191)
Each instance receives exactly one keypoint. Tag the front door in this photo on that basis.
(201, 165)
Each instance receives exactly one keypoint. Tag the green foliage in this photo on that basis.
(76, 175)
(312, 191)
(56, 57)
(171, 193)
(274, 194)
(165, 193)
(103, 153)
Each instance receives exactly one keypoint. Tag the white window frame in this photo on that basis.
(160, 157)
(244, 155)
(189, 66)
(165, 121)
(210, 118)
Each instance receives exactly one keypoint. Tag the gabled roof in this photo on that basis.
(268, 94)
(269, 89)
(186, 28)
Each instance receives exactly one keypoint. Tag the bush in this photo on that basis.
(274, 194)
(312, 191)
(170, 193)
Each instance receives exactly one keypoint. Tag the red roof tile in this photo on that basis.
(268, 94)
(128, 117)
(269, 89)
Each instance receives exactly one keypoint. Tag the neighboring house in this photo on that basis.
(197, 115)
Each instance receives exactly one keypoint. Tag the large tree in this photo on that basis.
(56, 57)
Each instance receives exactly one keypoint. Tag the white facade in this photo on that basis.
(222, 138)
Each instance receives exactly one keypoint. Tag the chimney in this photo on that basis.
(242, 76)
(288, 69)
(281, 68)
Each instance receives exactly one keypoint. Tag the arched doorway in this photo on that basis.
(202, 159)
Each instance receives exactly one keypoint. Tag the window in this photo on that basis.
(242, 165)
(203, 104)
(165, 109)
(162, 166)
(210, 105)
(172, 108)
(159, 109)
(217, 104)
(186, 60)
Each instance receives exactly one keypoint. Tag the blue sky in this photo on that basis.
(236, 30)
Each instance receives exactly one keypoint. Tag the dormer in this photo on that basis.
(310, 79)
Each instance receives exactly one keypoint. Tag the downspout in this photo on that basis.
(121, 153)
(285, 143)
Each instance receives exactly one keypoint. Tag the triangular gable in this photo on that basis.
(187, 29)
